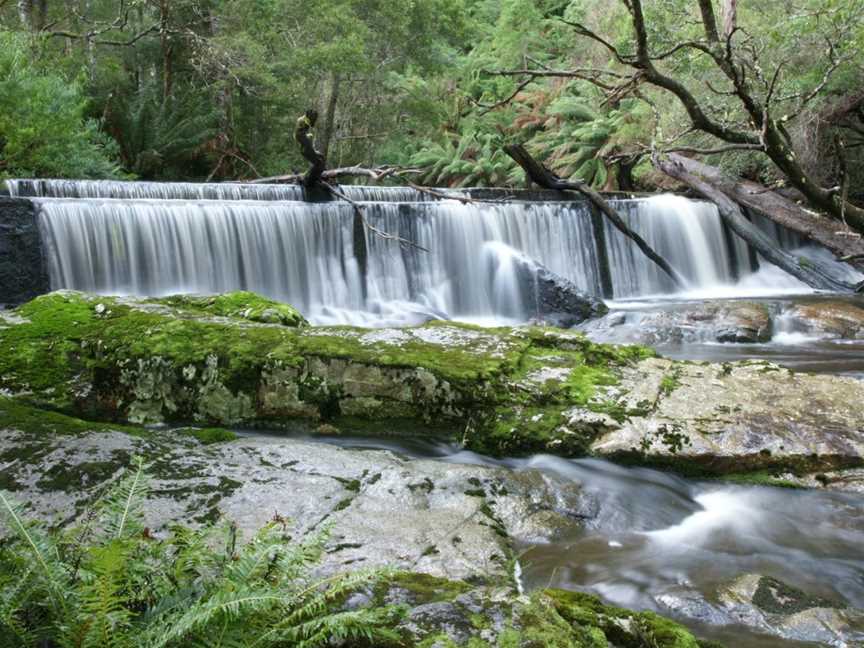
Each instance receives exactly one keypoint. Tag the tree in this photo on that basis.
(759, 106)
(43, 128)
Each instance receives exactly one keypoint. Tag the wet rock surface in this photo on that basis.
(555, 300)
(736, 417)
(828, 319)
(720, 321)
(449, 520)
(502, 391)
(770, 606)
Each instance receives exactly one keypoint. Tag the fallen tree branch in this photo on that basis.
(342, 172)
(358, 211)
(781, 210)
(545, 178)
(809, 271)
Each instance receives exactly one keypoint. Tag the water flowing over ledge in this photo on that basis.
(160, 238)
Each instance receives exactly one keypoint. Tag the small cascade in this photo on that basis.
(161, 238)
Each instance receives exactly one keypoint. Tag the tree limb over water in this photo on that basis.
(545, 178)
(811, 272)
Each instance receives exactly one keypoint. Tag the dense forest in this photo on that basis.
(210, 89)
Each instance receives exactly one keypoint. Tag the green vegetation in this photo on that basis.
(171, 360)
(110, 582)
(44, 128)
(198, 89)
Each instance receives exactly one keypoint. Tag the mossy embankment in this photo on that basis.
(453, 613)
(242, 360)
(207, 361)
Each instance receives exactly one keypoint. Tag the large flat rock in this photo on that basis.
(447, 520)
(498, 391)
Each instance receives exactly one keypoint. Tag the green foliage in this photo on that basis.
(43, 130)
(159, 138)
(111, 583)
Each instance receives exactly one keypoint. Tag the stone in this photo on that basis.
(770, 606)
(716, 321)
(447, 520)
(555, 300)
(829, 319)
(504, 391)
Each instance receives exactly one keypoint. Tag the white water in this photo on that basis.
(162, 238)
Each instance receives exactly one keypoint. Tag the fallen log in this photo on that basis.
(811, 272)
(542, 176)
(332, 174)
(827, 232)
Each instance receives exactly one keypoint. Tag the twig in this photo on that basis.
(358, 210)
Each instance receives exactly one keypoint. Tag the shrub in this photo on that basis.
(43, 131)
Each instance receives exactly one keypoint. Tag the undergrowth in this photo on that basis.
(110, 582)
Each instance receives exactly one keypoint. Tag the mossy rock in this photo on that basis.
(238, 305)
(210, 361)
(453, 613)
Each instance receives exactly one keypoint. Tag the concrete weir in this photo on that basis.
(23, 268)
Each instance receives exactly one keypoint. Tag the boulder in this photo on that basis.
(550, 298)
(770, 606)
(717, 321)
(498, 391)
(834, 319)
(556, 301)
(447, 520)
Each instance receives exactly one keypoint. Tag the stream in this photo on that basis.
(656, 538)
(657, 541)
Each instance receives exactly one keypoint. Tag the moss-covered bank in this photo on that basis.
(212, 361)
(452, 613)
(242, 360)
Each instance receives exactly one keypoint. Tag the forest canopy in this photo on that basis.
(210, 89)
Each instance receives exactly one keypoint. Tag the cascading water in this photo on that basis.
(161, 238)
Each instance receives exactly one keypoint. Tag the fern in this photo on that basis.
(116, 586)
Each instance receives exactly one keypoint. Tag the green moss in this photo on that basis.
(172, 360)
(238, 305)
(642, 629)
(420, 588)
(210, 436)
(776, 597)
(761, 478)
(16, 415)
(669, 383)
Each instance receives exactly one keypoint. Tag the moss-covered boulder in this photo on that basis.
(209, 361)
(238, 305)
(452, 613)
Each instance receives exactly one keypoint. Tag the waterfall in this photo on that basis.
(162, 238)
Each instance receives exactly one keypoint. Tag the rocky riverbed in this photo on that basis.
(89, 382)
(240, 360)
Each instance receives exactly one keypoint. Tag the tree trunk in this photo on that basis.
(812, 273)
(545, 178)
(730, 17)
(329, 126)
(819, 229)
(25, 14)
(303, 137)
(167, 48)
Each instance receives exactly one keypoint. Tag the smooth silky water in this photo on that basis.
(655, 535)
